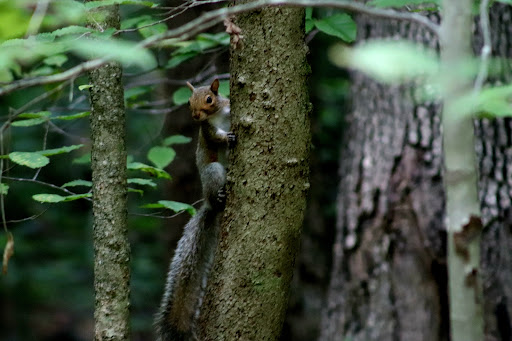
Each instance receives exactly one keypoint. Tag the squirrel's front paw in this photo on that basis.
(219, 201)
(231, 139)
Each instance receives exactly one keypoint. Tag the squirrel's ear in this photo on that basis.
(190, 86)
(215, 86)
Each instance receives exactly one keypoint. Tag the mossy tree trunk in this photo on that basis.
(108, 161)
(267, 181)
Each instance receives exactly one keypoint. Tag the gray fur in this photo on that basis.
(194, 255)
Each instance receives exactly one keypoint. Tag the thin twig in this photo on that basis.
(27, 105)
(58, 77)
(156, 215)
(37, 17)
(33, 217)
(39, 182)
(486, 48)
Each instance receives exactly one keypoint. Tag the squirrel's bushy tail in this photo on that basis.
(186, 280)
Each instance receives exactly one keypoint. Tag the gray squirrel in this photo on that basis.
(193, 258)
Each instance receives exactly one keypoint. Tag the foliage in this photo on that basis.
(46, 151)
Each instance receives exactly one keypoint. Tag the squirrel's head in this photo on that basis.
(204, 100)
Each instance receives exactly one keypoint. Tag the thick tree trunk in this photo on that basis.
(494, 147)
(389, 274)
(267, 183)
(388, 280)
(108, 156)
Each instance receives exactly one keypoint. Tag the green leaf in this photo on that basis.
(55, 198)
(159, 173)
(72, 117)
(224, 88)
(61, 150)
(73, 29)
(125, 52)
(133, 93)
(28, 159)
(75, 183)
(142, 182)
(173, 205)
(221, 38)
(178, 59)
(4, 188)
(78, 196)
(401, 3)
(387, 61)
(161, 157)
(176, 139)
(44, 70)
(40, 114)
(181, 96)
(48, 198)
(102, 3)
(338, 25)
(82, 160)
(309, 12)
(135, 190)
(57, 60)
(29, 123)
(310, 22)
(152, 30)
(133, 22)
(84, 87)
(490, 103)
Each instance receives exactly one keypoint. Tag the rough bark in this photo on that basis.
(108, 156)
(388, 280)
(267, 182)
(495, 190)
(391, 284)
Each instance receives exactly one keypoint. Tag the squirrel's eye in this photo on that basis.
(208, 99)
(189, 103)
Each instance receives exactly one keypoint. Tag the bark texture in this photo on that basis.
(388, 280)
(494, 148)
(108, 156)
(267, 181)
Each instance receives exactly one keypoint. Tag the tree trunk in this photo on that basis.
(494, 143)
(463, 217)
(388, 280)
(108, 156)
(267, 183)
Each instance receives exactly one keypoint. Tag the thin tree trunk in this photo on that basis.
(267, 183)
(464, 224)
(108, 156)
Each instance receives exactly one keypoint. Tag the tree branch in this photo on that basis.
(212, 18)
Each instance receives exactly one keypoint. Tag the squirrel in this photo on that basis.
(193, 258)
